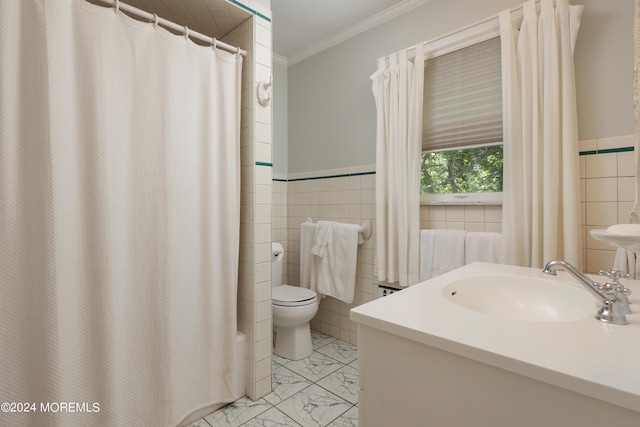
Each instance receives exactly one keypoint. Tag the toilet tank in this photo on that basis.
(277, 255)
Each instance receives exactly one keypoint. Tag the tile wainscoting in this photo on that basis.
(607, 171)
(343, 195)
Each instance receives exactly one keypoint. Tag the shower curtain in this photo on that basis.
(635, 213)
(119, 218)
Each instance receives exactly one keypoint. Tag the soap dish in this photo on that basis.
(626, 236)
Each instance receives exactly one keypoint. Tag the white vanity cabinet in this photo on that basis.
(425, 363)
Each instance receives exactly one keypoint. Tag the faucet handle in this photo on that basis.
(615, 288)
(614, 275)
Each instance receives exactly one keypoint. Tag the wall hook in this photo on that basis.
(264, 96)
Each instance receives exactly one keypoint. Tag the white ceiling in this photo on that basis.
(300, 28)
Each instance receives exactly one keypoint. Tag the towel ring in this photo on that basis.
(365, 229)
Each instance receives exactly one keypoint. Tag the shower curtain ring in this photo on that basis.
(239, 52)
(155, 20)
(215, 43)
(116, 6)
(186, 32)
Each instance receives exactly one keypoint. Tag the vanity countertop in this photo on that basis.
(585, 356)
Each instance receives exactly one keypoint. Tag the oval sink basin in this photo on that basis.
(522, 298)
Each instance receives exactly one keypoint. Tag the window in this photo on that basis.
(462, 126)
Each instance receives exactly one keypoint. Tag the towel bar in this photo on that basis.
(365, 228)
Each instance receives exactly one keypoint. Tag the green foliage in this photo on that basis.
(473, 170)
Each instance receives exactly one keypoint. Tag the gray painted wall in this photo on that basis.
(280, 123)
(331, 111)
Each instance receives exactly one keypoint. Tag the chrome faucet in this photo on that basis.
(613, 310)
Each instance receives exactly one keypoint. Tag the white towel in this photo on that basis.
(307, 261)
(323, 228)
(627, 262)
(427, 244)
(440, 251)
(482, 246)
(336, 270)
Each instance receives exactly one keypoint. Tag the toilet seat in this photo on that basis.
(292, 296)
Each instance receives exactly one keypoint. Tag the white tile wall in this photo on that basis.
(254, 282)
(608, 193)
(280, 220)
(332, 196)
(468, 218)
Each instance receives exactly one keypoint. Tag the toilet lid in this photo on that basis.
(292, 295)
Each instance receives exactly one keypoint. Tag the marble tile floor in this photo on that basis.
(321, 390)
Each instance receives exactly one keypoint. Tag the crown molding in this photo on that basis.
(279, 59)
(362, 26)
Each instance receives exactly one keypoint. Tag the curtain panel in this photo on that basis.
(635, 214)
(398, 91)
(541, 199)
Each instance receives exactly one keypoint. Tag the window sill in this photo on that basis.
(461, 199)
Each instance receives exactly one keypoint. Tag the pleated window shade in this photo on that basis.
(463, 98)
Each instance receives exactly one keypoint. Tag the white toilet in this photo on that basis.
(293, 309)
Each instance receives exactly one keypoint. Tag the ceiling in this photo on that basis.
(301, 25)
(300, 28)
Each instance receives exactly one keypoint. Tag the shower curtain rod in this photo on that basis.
(173, 26)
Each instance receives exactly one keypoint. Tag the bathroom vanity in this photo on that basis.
(435, 355)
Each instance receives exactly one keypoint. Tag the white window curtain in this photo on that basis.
(635, 213)
(541, 207)
(398, 87)
(628, 261)
(119, 217)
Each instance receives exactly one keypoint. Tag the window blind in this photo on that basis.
(463, 98)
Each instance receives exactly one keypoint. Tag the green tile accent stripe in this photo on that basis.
(607, 151)
(264, 164)
(237, 3)
(311, 178)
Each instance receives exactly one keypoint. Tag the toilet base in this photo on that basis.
(293, 343)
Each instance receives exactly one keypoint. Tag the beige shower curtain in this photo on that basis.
(119, 218)
(635, 213)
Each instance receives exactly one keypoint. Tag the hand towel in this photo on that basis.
(337, 268)
(627, 262)
(427, 244)
(440, 251)
(323, 228)
(482, 246)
